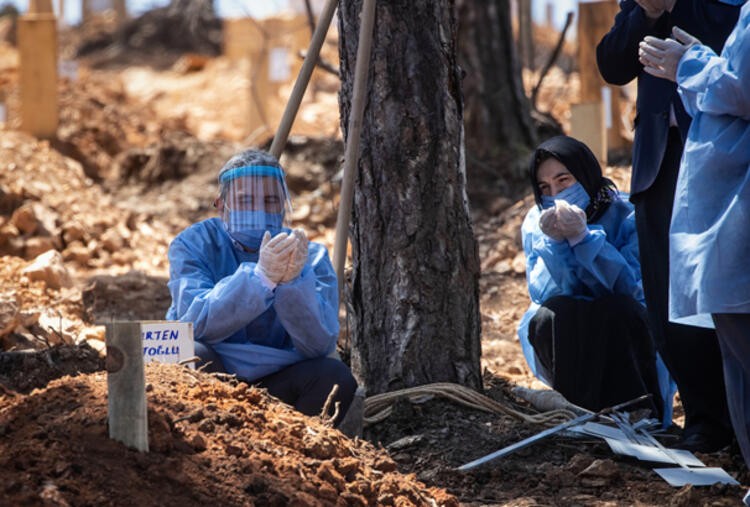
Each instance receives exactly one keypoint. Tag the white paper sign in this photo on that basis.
(278, 65)
(653, 454)
(167, 341)
(607, 101)
(678, 477)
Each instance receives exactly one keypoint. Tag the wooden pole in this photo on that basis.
(594, 21)
(61, 12)
(37, 48)
(292, 106)
(259, 98)
(126, 385)
(121, 11)
(351, 152)
(85, 11)
(526, 33)
(40, 7)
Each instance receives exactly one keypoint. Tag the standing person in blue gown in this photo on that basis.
(661, 125)
(263, 300)
(710, 232)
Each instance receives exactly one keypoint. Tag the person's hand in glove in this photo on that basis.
(298, 258)
(548, 224)
(571, 222)
(274, 256)
(660, 57)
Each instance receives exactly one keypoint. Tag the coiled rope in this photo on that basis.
(378, 407)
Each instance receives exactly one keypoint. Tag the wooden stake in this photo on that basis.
(126, 385)
(594, 21)
(85, 11)
(37, 45)
(351, 152)
(587, 125)
(40, 7)
(121, 11)
(292, 106)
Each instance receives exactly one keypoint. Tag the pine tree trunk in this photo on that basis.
(499, 130)
(415, 272)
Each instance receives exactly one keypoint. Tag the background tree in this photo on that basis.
(499, 130)
(415, 273)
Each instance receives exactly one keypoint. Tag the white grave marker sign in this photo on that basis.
(167, 341)
(278, 65)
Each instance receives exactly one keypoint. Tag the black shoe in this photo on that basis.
(704, 442)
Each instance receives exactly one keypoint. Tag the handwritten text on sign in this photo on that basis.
(167, 341)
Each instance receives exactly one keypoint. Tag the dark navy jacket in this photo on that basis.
(617, 56)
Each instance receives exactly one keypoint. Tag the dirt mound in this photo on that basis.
(210, 443)
(24, 371)
(132, 296)
(168, 32)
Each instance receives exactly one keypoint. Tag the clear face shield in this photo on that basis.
(255, 199)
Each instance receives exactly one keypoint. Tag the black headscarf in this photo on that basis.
(581, 162)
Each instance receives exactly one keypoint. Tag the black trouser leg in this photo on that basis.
(733, 330)
(691, 353)
(596, 353)
(307, 384)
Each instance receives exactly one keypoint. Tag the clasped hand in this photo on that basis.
(660, 57)
(564, 221)
(282, 257)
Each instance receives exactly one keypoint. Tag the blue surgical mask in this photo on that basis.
(574, 194)
(252, 238)
(242, 220)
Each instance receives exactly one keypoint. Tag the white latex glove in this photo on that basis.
(548, 224)
(571, 221)
(298, 259)
(660, 57)
(274, 255)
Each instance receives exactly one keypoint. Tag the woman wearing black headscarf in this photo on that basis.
(586, 333)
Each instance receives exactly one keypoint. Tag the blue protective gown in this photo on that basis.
(604, 262)
(710, 239)
(255, 330)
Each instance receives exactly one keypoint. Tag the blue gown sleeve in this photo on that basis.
(308, 305)
(593, 267)
(718, 84)
(217, 310)
(617, 52)
(608, 269)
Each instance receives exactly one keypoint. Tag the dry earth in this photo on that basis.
(84, 226)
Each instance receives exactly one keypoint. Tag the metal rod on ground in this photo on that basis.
(568, 424)
(351, 153)
(292, 106)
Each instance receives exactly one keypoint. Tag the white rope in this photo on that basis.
(379, 407)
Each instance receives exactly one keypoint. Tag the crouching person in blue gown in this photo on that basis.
(586, 332)
(262, 299)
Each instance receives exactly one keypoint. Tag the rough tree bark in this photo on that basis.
(499, 130)
(415, 272)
